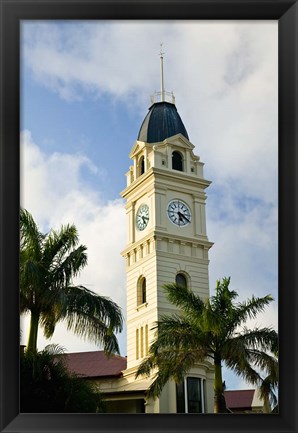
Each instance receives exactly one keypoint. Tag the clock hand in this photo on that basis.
(181, 216)
(185, 218)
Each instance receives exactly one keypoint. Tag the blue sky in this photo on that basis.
(85, 90)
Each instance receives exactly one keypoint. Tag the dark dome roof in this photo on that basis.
(162, 121)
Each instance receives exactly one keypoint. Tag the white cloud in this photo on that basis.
(110, 56)
(245, 247)
(53, 191)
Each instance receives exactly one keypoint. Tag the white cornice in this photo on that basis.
(154, 235)
(161, 174)
(181, 176)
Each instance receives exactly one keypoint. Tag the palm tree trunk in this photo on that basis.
(32, 340)
(219, 398)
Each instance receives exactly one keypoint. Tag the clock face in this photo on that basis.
(142, 217)
(179, 213)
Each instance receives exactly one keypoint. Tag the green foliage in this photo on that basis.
(214, 329)
(46, 385)
(48, 264)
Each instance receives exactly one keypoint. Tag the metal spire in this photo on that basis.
(162, 96)
(162, 89)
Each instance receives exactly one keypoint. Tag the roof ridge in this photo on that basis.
(95, 351)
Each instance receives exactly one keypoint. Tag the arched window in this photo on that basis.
(181, 280)
(141, 295)
(177, 163)
(142, 165)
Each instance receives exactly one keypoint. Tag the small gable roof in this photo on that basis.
(239, 399)
(95, 364)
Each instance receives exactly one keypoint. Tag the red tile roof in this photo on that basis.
(239, 399)
(95, 364)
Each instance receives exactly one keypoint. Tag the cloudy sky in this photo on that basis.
(85, 90)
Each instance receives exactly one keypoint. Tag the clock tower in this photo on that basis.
(166, 238)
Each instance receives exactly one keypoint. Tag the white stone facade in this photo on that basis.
(161, 250)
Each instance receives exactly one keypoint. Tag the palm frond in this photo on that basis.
(54, 349)
(184, 298)
(224, 296)
(91, 316)
(160, 380)
(146, 366)
(31, 274)
(265, 362)
(31, 237)
(171, 365)
(60, 242)
(175, 350)
(267, 390)
(49, 319)
(267, 338)
(79, 300)
(177, 333)
(250, 308)
(93, 329)
(244, 369)
(63, 269)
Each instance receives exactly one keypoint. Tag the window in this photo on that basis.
(181, 280)
(141, 291)
(143, 298)
(142, 165)
(180, 396)
(177, 163)
(137, 344)
(142, 341)
(194, 395)
(146, 340)
(189, 395)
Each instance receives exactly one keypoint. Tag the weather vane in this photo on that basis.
(161, 52)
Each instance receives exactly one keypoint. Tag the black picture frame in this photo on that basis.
(12, 11)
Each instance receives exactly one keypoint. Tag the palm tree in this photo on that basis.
(210, 329)
(48, 386)
(48, 264)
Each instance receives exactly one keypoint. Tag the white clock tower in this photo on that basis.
(167, 239)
